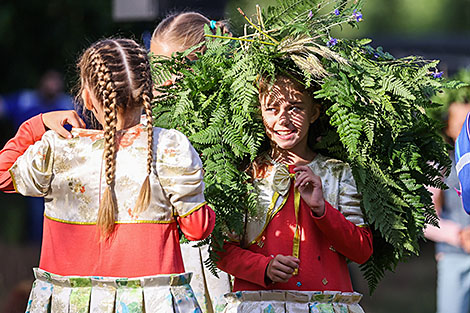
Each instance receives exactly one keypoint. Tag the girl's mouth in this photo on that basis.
(284, 134)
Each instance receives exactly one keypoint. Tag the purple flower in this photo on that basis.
(332, 42)
(336, 11)
(357, 16)
(310, 14)
(437, 74)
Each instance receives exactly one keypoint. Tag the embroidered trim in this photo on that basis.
(13, 180)
(192, 210)
(269, 215)
(117, 222)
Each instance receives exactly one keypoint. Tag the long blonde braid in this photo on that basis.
(143, 200)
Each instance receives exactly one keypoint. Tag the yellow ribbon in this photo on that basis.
(281, 184)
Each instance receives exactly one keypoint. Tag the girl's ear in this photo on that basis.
(316, 113)
(86, 97)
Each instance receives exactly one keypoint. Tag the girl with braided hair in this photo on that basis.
(114, 197)
(176, 33)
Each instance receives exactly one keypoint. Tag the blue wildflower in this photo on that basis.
(310, 14)
(332, 42)
(336, 11)
(437, 74)
(357, 15)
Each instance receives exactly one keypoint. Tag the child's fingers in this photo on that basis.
(75, 120)
(289, 261)
(302, 168)
(302, 181)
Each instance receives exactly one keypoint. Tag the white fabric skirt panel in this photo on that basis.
(53, 293)
(290, 301)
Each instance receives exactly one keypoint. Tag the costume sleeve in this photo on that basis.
(349, 202)
(352, 241)
(345, 225)
(28, 133)
(243, 263)
(179, 170)
(32, 171)
(199, 224)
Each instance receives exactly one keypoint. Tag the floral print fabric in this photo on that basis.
(69, 173)
(152, 294)
(282, 301)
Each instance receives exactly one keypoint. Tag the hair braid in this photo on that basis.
(143, 200)
(108, 205)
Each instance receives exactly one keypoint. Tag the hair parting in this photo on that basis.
(117, 71)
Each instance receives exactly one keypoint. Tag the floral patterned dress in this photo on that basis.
(139, 268)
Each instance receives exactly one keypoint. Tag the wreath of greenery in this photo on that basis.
(374, 118)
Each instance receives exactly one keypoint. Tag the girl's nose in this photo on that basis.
(283, 117)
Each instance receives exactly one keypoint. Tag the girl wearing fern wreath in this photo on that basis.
(308, 219)
(114, 197)
(373, 127)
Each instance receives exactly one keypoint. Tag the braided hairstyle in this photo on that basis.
(117, 72)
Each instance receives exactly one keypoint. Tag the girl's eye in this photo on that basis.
(295, 108)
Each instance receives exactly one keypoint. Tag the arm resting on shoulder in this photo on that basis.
(352, 241)
(28, 133)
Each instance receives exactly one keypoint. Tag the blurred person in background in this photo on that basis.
(20, 106)
(453, 235)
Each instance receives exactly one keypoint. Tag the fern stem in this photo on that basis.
(240, 39)
(256, 27)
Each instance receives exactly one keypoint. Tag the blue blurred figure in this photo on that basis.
(19, 106)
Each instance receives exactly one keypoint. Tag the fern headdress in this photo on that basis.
(374, 118)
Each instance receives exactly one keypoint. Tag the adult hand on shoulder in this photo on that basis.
(310, 188)
(281, 268)
(56, 120)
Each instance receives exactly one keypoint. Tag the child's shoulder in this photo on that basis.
(169, 136)
(325, 164)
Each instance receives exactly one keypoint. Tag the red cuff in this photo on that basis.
(199, 224)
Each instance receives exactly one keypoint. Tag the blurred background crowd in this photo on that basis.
(41, 40)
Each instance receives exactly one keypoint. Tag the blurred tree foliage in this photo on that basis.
(389, 17)
(37, 35)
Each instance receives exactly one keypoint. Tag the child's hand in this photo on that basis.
(280, 268)
(56, 120)
(310, 188)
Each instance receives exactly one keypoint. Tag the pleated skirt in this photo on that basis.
(290, 301)
(53, 293)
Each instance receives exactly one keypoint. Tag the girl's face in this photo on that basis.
(287, 114)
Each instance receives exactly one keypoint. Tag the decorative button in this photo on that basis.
(324, 281)
(299, 284)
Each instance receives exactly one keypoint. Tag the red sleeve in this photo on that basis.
(352, 241)
(243, 263)
(199, 224)
(28, 133)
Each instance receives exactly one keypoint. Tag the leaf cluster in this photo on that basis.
(374, 117)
